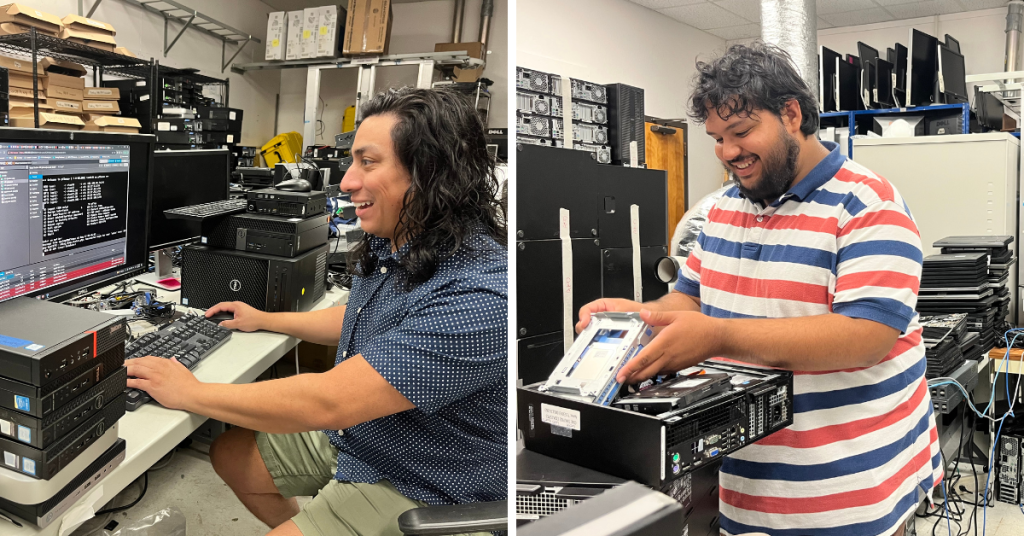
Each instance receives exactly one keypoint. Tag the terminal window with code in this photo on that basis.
(63, 213)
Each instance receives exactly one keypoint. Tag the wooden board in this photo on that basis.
(667, 151)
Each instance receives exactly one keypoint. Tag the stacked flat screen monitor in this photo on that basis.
(926, 72)
(82, 210)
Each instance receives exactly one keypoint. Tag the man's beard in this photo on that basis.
(778, 170)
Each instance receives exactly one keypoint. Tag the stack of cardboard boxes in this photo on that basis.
(362, 29)
(18, 18)
(89, 32)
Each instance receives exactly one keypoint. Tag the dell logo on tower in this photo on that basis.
(235, 285)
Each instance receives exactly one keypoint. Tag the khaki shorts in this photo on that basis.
(304, 465)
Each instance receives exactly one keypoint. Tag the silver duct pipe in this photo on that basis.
(486, 12)
(460, 12)
(792, 25)
(1014, 22)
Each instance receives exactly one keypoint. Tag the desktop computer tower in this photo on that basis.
(268, 283)
(626, 123)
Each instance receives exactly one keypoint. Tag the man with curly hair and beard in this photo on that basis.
(810, 263)
(414, 411)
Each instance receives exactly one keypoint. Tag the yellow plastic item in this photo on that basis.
(348, 123)
(285, 147)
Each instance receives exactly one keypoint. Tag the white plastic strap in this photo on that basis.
(563, 233)
(634, 236)
(634, 154)
(566, 112)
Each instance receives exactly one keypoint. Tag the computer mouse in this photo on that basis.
(221, 316)
(294, 185)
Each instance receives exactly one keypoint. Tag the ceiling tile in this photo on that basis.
(983, 4)
(737, 32)
(659, 4)
(748, 9)
(705, 16)
(925, 9)
(856, 18)
(823, 24)
(828, 7)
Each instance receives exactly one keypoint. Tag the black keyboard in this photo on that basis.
(206, 210)
(189, 339)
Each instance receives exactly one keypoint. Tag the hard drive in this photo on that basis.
(587, 372)
(675, 393)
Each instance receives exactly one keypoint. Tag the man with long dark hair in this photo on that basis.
(415, 409)
(810, 263)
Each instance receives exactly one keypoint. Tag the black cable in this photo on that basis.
(145, 486)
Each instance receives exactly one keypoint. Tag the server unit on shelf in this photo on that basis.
(586, 133)
(589, 113)
(588, 91)
(42, 401)
(538, 81)
(538, 104)
(626, 123)
(539, 126)
(602, 154)
(1008, 470)
(270, 235)
(545, 142)
(655, 450)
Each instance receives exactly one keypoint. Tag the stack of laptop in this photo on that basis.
(942, 336)
(970, 276)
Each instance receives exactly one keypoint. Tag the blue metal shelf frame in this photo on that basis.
(851, 117)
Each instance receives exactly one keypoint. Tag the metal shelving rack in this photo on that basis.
(852, 117)
(33, 44)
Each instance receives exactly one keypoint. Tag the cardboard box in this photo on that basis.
(473, 50)
(100, 107)
(310, 26)
(331, 25)
(74, 82)
(68, 68)
(11, 28)
(50, 121)
(20, 66)
(109, 123)
(101, 93)
(66, 106)
(124, 52)
(277, 36)
(293, 50)
(367, 27)
(54, 91)
(109, 47)
(25, 93)
(21, 107)
(89, 37)
(26, 16)
(82, 24)
(18, 79)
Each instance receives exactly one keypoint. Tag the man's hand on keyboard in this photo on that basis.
(247, 318)
(166, 380)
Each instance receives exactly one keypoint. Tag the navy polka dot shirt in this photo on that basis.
(443, 346)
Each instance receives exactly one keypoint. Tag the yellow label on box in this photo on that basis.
(323, 30)
(275, 43)
(306, 34)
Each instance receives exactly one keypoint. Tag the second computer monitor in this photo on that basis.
(883, 88)
(848, 87)
(827, 79)
(180, 179)
(922, 69)
(952, 76)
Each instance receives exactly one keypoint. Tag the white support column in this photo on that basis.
(312, 99)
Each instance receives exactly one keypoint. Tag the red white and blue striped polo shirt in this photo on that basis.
(863, 445)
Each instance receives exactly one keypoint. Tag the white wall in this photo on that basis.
(142, 32)
(638, 46)
(416, 27)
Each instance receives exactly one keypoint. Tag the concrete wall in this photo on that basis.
(639, 46)
(142, 32)
(416, 27)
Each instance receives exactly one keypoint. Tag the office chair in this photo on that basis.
(446, 520)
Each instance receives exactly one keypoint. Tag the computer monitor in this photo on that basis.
(882, 91)
(988, 109)
(73, 210)
(827, 59)
(899, 67)
(848, 87)
(953, 44)
(952, 76)
(868, 55)
(853, 60)
(180, 179)
(922, 69)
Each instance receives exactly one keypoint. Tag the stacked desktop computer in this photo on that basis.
(271, 256)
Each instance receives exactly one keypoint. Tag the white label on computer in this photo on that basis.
(231, 116)
(231, 138)
(144, 98)
(163, 126)
(24, 434)
(556, 416)
(10, 459)
(29, 466)
(5, 427)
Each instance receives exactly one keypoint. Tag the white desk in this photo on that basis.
(151, 431)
